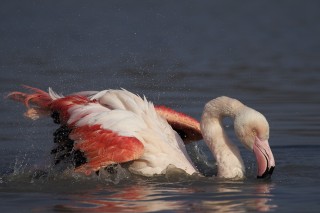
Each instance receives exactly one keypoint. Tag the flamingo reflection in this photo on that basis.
(150, 198)
(138, 198)
(242, 199)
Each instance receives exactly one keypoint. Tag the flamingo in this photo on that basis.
(102, 128)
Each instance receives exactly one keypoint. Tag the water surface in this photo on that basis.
(180, 54)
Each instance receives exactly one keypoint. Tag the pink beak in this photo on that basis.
(264, 158)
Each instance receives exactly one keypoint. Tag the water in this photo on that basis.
(181, 54)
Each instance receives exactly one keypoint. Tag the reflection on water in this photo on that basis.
(239, 199)
(132, 199)
(154, 197)
(124, 192)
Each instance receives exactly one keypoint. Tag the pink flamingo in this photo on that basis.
(99, 129)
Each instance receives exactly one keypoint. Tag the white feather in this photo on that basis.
(129, 115)
(53, 94)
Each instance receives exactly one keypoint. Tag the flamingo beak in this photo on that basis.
(264, 156)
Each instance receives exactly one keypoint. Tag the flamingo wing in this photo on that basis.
(187, 127)
(105, 136)
(102, 147)
(101, 135)
(110, 126)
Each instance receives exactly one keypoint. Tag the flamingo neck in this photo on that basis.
(227, 155)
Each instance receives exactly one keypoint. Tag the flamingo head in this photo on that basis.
(252, 129)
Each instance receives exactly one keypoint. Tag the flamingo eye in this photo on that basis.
(254, 132)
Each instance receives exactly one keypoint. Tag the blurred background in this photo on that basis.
(178, 53)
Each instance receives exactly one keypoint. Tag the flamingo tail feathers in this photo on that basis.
(37, 102)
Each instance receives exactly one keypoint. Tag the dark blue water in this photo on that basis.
(181, 54)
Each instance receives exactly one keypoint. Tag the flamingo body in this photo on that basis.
(114, 126)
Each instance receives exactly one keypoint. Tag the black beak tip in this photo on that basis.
(267, 174)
